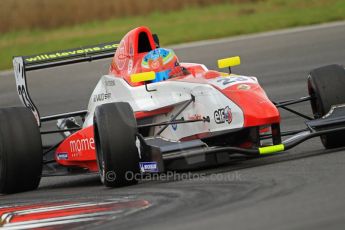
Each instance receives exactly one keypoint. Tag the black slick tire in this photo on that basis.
(326, 85)
(115, 130)
(20, 151)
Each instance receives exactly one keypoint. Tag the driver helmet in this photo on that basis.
(163, 62)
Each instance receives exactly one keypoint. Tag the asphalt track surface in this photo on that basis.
(301, 189)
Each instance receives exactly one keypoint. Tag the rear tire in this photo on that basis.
(327, 87)
(20, 151)
(115, 130)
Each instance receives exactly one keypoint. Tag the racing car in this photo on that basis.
(152, 113)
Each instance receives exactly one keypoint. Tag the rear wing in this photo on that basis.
(23, 64)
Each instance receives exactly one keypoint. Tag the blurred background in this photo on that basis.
(31, 14)
(35, 26)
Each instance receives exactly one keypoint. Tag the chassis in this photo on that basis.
(132, 148)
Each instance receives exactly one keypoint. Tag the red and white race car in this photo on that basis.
(152, 113)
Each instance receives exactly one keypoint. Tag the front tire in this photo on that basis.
(20, 151)
(326, 85)
(115, 131)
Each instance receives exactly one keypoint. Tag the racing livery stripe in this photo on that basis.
(64, 214)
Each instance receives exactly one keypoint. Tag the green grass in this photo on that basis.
(175, 27)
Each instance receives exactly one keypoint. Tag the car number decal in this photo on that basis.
(225, 82)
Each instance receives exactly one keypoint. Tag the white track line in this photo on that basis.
(259, 35)
(6, 73)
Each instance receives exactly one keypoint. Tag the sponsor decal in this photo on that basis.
(62, 156)
(101, 97)
(148, 166)
(173, 126)
(130, 66)
(121, 55)
(243, 87)
(71, 53)
(131, 49)
(80, 145)
(223, 115)
(194, 117)
(110, 82)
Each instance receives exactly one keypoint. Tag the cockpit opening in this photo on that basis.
(144, 43)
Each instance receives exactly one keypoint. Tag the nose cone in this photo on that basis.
(257, 108)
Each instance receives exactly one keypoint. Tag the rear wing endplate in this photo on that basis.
(23, 64)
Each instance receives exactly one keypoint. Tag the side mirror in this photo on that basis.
(229, 62)
(143, 77)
